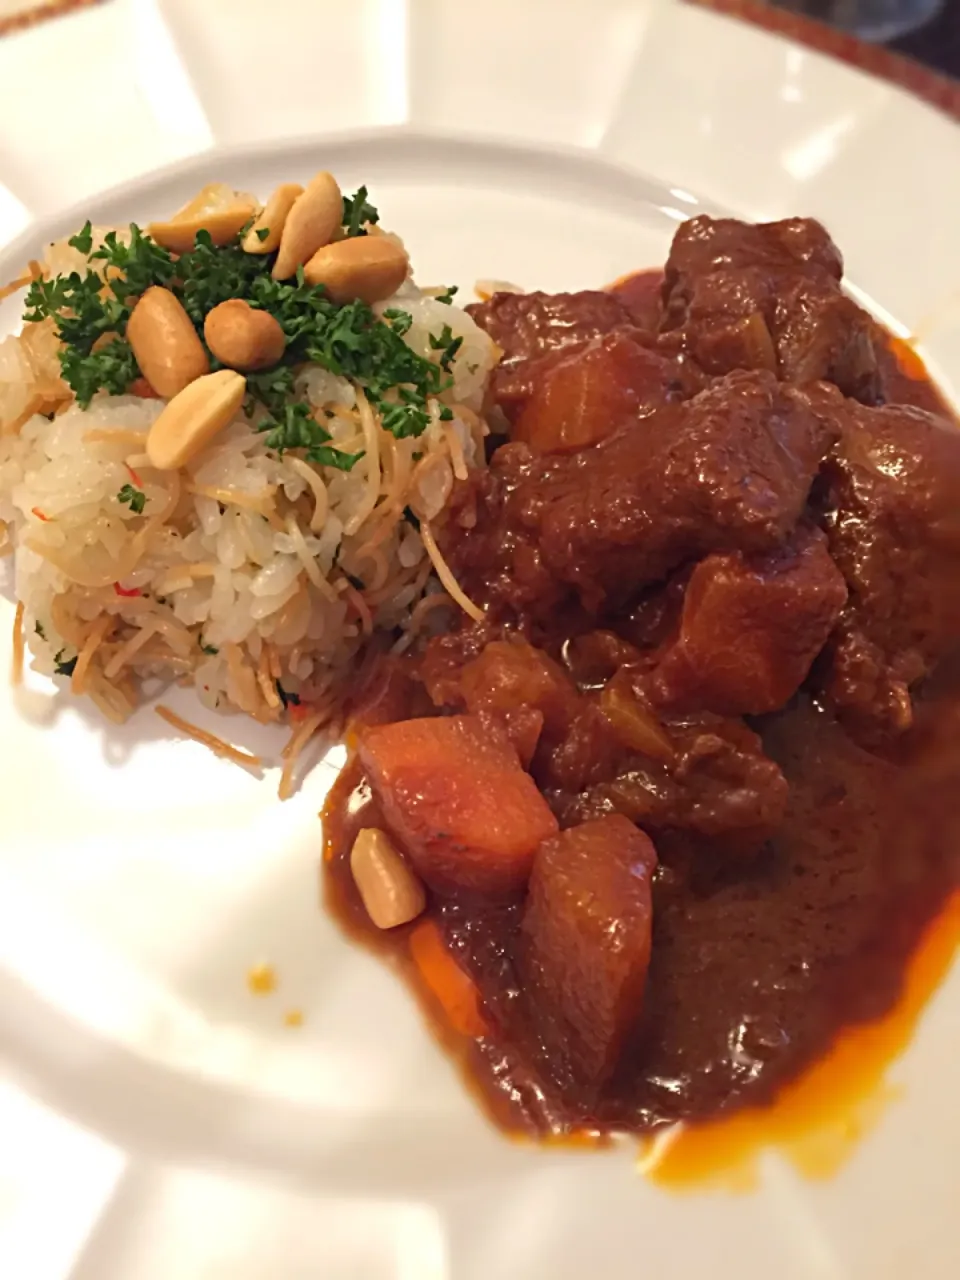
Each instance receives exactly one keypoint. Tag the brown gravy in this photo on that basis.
(778, 992)
(753, 979)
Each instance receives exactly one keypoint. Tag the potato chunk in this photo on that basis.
(587, 933)
(588, 394)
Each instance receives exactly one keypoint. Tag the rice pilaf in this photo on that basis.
(265, 567)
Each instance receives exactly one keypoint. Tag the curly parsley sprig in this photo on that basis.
(91, 312)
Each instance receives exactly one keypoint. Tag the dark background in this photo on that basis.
(937, 44)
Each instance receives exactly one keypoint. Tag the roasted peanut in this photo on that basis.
(272, 220)
(370, 268)
(313, 221)
(391, 891)
(242, 337)
(217, 209)
(168, 351)
(192, 418)
(485, 289)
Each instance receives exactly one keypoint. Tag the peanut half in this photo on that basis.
(392, 893)
(192, 418)
(242, 337)
(168, 351)
(217, 208)
(264, 235)
(368, 268)
(314, 219)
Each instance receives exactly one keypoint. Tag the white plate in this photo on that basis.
(156, 1121)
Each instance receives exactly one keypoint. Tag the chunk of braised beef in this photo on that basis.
(507, 682)
(719, 788)
(528, 326)
(444, 658)
(641, 293)
(593, 657)
(727, 470)
(768, 296)
(891, 497)
(453, 792)
(704, 245)
(585, 945)
(590, 392)
(511, 673)
(751, 628)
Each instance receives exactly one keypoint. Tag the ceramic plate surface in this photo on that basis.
(156, 1121)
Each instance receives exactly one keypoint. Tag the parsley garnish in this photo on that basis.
(262, 233)
(288, 699)
(91, 314)
(38, 628)
(207, 276)
(135, 497)
(357, 211)
(110, 369)
(140, 264)
(297, 428)
(83, 240)
(447, 344)
(448, 294)
(64, 668)
(407, 416)
(410, 517)
(211, 649)
(400, 320)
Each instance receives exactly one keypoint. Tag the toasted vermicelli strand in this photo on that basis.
(261, 503)
(446, 576)
(65, 621)
(401, 465)
(16, 662)
(216, 745)
(175, 634)
(117, 700)
(371, 461)
(360, 607)
(244, 681)
(310, 566)
(26, 277)
(436, 600)
(276, 669)
(294, 748)
(182, 576)
(129, 648)
(455, 446)
(381, 568)
(114, 435)
(266, 679)
(321, 499)
(78, 681)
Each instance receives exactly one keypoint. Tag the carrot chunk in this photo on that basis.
(454, 794)
(455, 990)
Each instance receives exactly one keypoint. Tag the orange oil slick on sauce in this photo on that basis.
(818, 1119)
(908, 359)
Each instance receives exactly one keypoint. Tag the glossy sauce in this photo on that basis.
(778, 991)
